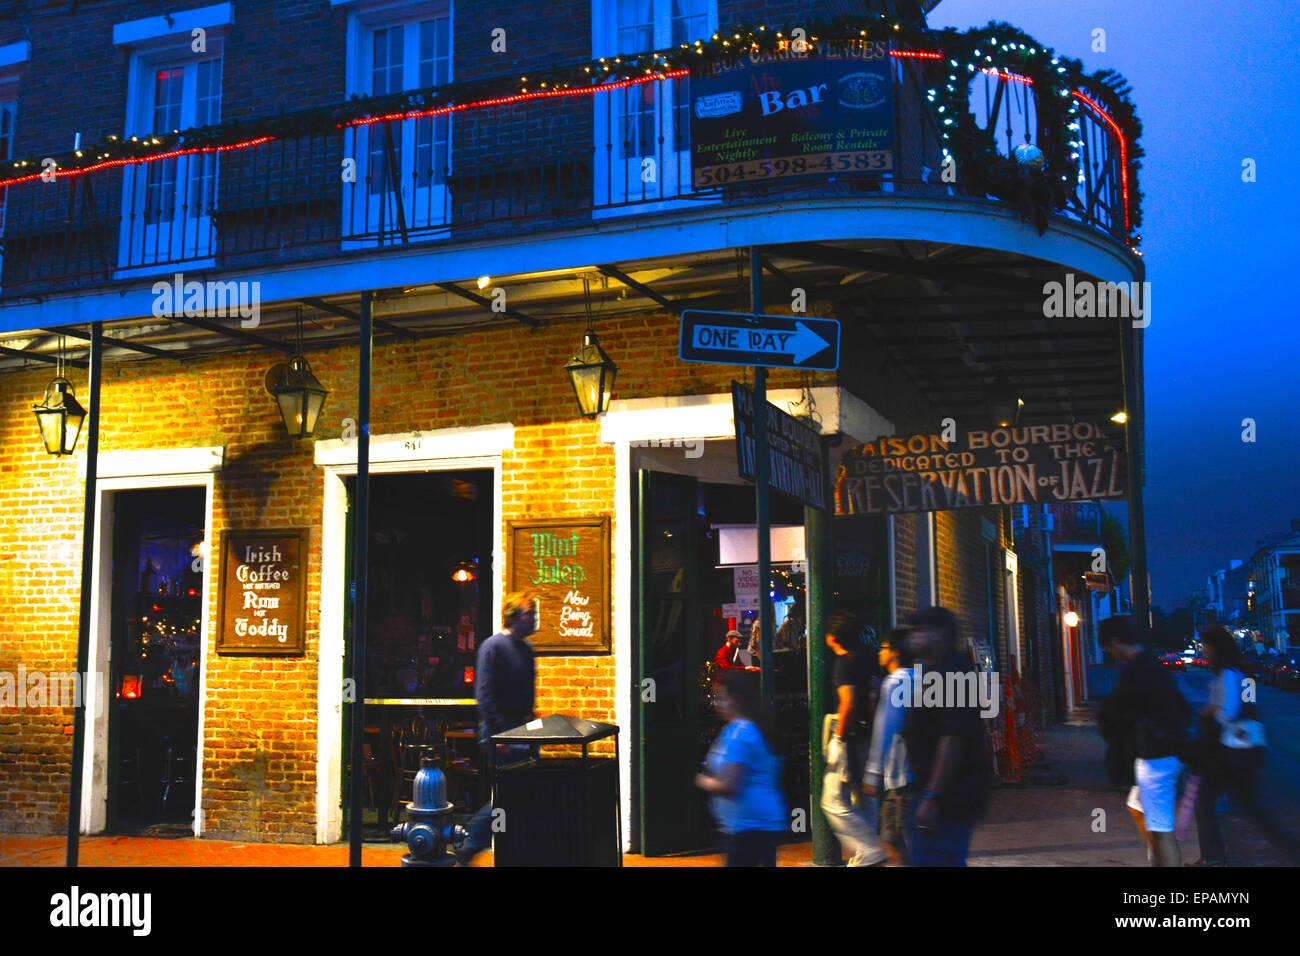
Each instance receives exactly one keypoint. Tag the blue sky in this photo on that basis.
(1214, 83)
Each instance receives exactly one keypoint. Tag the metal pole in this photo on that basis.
(762, 473)
(1130, 345)
(360, 576)
(88, 687)
(821, 591)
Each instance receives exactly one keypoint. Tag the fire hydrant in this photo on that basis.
(429, 831)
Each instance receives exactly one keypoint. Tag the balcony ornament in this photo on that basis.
(591, 371)
(1029, 156)
(297, 391)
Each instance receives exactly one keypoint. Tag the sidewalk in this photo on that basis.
(1030, 826)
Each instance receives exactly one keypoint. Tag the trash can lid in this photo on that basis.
(559, 729)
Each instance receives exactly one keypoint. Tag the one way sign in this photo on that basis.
(772, 341)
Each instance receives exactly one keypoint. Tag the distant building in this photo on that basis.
(1274, 589)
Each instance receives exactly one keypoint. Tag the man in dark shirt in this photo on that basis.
(852, 675)
(1147, 706)
(946, 747)
(505, 677)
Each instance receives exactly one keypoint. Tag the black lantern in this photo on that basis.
(1004, 401)
(591, 371)
(60, 417)
(299, 394)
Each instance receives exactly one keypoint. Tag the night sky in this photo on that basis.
(1214, 83)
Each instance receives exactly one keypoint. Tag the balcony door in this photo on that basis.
(643, 147)
(169, 202)
(402, 166)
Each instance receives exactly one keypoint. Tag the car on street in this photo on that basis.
(1173, 662)
(1288, 671)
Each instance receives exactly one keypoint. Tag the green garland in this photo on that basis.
(974, 150)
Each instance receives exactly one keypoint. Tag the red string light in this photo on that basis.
(148, 159)
(1123, 150)
(1007, 76)
(917, 53)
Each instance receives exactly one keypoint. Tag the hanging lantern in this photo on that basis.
(299, 394)
(591, 371)
(60, 417)
(465, 573)
(1004, 401)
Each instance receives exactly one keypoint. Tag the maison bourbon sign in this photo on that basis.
(263, 585)
(565, 562)
(1082, 461)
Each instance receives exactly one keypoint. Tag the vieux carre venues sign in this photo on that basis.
(565, 562)
(769, 115)
(982, 468)
(794, 450)
(263, 585)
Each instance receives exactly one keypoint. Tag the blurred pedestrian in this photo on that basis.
(848, 811)
(505, 676)
(1146, 703)
(946, 745)
(743, 775)
(1232, 742)
(888, 774)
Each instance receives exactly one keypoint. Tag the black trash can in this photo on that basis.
(558, 811)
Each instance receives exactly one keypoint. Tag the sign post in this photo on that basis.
(762, 516)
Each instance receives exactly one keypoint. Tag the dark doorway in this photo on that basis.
(156, 622)
(429, 606)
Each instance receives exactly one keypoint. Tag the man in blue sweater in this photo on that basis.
(505, 677)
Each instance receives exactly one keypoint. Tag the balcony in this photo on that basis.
(299, 187)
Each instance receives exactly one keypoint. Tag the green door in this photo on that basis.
(671, 546)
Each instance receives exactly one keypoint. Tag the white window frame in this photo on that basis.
(428, 212)
(149, 54)
(624, 191)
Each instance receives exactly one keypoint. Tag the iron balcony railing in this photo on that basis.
(496, 169)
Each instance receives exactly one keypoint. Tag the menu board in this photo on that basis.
(565, 563)
(263, 584)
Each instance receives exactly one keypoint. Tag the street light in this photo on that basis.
(60, 417)
(1004, 401)
(591, 371)
(299, 394)
(1120, 417)
(1071, 619)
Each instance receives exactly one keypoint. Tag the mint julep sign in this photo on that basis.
(565, 562)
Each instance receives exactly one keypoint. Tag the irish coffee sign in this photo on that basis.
(771, 115)
(980, 468)
(565, 562)
(263, 586)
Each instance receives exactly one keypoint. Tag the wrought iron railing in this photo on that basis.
(492, 170)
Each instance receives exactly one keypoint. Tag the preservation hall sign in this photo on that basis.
(981, 468)
(565, 562)
(263, 581)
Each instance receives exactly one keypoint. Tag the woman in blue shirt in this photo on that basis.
(743, 775)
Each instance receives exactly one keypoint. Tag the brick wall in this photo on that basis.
(260, 733)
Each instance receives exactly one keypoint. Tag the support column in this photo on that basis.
(360, 575)
(1130, 360)
(820, 549)
(88, 687)
(762, 493)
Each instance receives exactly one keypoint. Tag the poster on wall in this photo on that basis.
(261, 606)
(772, 115)
(980, 468)
(565, 562)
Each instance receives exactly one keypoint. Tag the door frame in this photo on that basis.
(447, 449)
(132, 471)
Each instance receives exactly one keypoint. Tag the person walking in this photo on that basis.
(743, 776)
(1146, 703)
(946, 746)
(888, 774)
(850, 815)
(505, 676)
(1232, 742)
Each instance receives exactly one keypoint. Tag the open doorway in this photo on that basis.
(156, 646)
(429, 606)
